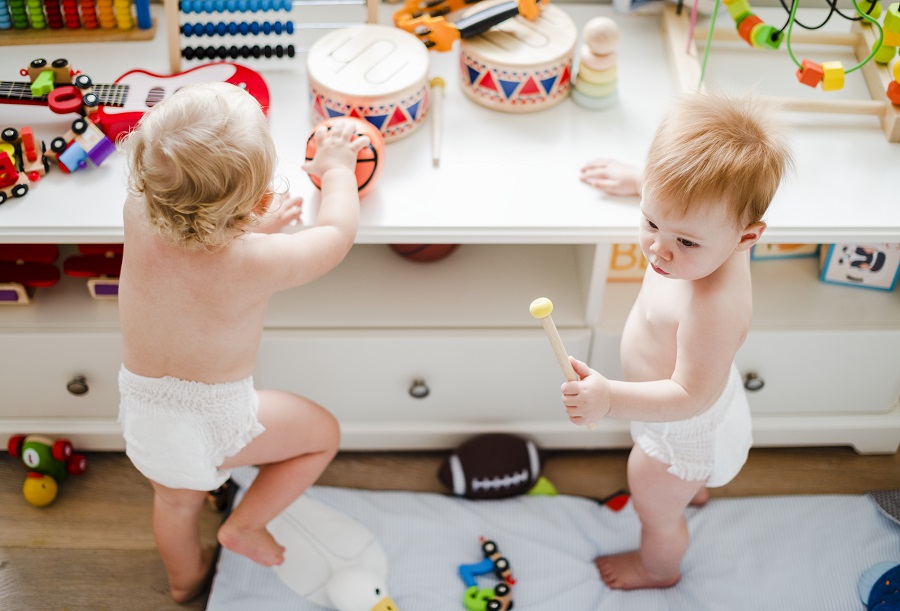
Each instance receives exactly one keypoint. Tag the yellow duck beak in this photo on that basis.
(385, 604)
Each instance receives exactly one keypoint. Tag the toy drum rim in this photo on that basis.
(395, 112)
(515, 85)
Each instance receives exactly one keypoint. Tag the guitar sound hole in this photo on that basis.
(154, 96)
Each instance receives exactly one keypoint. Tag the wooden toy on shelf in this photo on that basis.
(101, 264)
(873, 266)
(340, 67)
(24, 268)
(428, 22)
(69, 21)
(49, 462)
(520, 65)
(276, 30)
(595, 83)
(84, 142)
(116, 108)
(864, 37)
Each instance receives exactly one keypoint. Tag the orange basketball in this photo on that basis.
(369, 160)
(423, 253)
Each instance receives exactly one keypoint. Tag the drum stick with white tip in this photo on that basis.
(541, 309)
(437, 102)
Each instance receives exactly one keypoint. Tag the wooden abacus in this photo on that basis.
(34, 22)
(271, 37)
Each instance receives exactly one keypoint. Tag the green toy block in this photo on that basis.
(739, 9)
(43, 84)
(884, 55)
(864, 5)
(765, 36)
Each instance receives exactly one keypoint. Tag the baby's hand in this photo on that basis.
(281, 213)
(587, 399)
(334, 148)
(613, 177)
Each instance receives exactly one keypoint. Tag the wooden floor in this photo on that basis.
(93, 549)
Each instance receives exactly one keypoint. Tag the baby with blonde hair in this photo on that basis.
(204, 251)
(713, 167)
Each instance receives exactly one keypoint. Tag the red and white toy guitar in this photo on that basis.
(123, 104)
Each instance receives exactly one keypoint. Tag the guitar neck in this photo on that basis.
(109, 95)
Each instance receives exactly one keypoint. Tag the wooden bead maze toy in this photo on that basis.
(874, 45)
(251, 30)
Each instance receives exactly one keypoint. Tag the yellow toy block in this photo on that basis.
(739, 9)
(892, 18)
(834, 76)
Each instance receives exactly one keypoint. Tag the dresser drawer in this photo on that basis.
(822, 372)
(380, 376)
(40, 368)
(804, 372)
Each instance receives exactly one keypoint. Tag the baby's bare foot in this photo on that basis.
(627, 572)
(191, 586)
(257, 544)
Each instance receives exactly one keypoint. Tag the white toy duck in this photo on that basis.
(331, 559)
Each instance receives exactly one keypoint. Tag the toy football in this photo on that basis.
(492, 466)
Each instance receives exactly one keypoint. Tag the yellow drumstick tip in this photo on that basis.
(436, 82)
(541, 307)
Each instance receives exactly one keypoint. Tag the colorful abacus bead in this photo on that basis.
(833, 78)
(810, 73)
(893, 88)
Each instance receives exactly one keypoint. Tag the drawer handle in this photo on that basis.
(78, 386)
(753, 382)
(419, 389)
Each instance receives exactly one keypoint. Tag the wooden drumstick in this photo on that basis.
(437, 100)
(541, 309)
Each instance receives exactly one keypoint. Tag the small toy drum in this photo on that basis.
(370, 72)
(520, 65)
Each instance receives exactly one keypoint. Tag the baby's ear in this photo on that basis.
(263, 206)
(751, 235)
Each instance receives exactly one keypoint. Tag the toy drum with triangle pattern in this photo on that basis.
(520, 65)
(371, 72)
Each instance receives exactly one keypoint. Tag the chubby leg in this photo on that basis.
(301, 438)
(659, 499)
(176, 528)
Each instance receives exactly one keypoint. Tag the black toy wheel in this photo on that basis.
(19, 190)
(501, 589)
(83, 81)
(494, 605)
(10, 134)
(501, 564)
(38, 63)
(3, 197)
(90, 100)
(58, 145)
(79, 126)
(60, 63)
(489, 547)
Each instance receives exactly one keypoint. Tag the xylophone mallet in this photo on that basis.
(541, 308)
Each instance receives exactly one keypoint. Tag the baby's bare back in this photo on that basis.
(192, 315)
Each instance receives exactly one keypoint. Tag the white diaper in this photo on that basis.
(712, 446)
(178, 432)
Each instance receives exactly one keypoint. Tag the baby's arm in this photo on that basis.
(613, 177)
(297, 258)
(707, 342)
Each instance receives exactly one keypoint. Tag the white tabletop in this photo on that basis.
(503, 178)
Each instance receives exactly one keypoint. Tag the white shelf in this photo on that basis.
(475, 286)
(788, 295)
